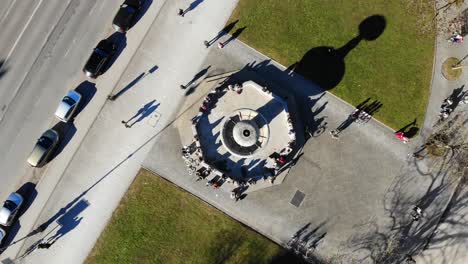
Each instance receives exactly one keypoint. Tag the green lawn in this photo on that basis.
(157, 222)
(395, 68)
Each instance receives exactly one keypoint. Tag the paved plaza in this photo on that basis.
(346, 191)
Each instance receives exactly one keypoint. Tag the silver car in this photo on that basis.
(10, 209)
(68, 106)
(44, 146)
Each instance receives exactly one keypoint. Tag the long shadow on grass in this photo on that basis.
(325, 65)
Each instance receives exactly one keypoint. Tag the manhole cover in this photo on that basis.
(154, 119)
(298, 198)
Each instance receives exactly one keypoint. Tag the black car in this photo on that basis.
(99, 59)
(126, 15)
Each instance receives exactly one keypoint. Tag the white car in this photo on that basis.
(2, 235)
(10, 209)
(67, 106)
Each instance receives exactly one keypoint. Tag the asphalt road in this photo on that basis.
(44, 45)
(84, 184)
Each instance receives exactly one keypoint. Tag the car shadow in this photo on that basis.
(3, 68)
(144, 8)
(120, 39)
(87, 90)
(28, 192)
(66, 132)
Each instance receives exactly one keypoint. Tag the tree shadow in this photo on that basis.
(325, 66)
(87, 90)
(427, 186)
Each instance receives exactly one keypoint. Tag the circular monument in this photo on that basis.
(244, 132)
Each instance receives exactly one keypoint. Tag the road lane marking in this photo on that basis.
(23, 30)
(69, 47)
(8, 11)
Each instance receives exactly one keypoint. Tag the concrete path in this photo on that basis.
(449, 243)
(442, 88)
(109, 157)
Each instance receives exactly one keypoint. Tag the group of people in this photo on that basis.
(456, 38)
(361, 116)
(237, 87)
(417, 213)
(446, 108)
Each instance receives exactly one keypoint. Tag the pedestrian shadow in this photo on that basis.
(305, 241)
(221, 33)
(142, 113)
(315, 124)
(192, 6)
(194, 79)
(133, 83)
(69, 221)
(234, 36)
(325, 66)
(87, 90)
(371, 108)
(357, 115)
(457, 96)
(410, 130)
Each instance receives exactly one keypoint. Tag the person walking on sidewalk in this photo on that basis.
(402, 137)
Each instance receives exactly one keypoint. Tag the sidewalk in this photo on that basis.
(441, 88)
(110, 155)
(449, 243)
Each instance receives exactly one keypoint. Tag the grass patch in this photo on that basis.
(158, 222)
(395, 68)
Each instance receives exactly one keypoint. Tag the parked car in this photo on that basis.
(126, 15)
(100, 57)
(2, 235)
(10, 209)
(43, 148)
(68, 105)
